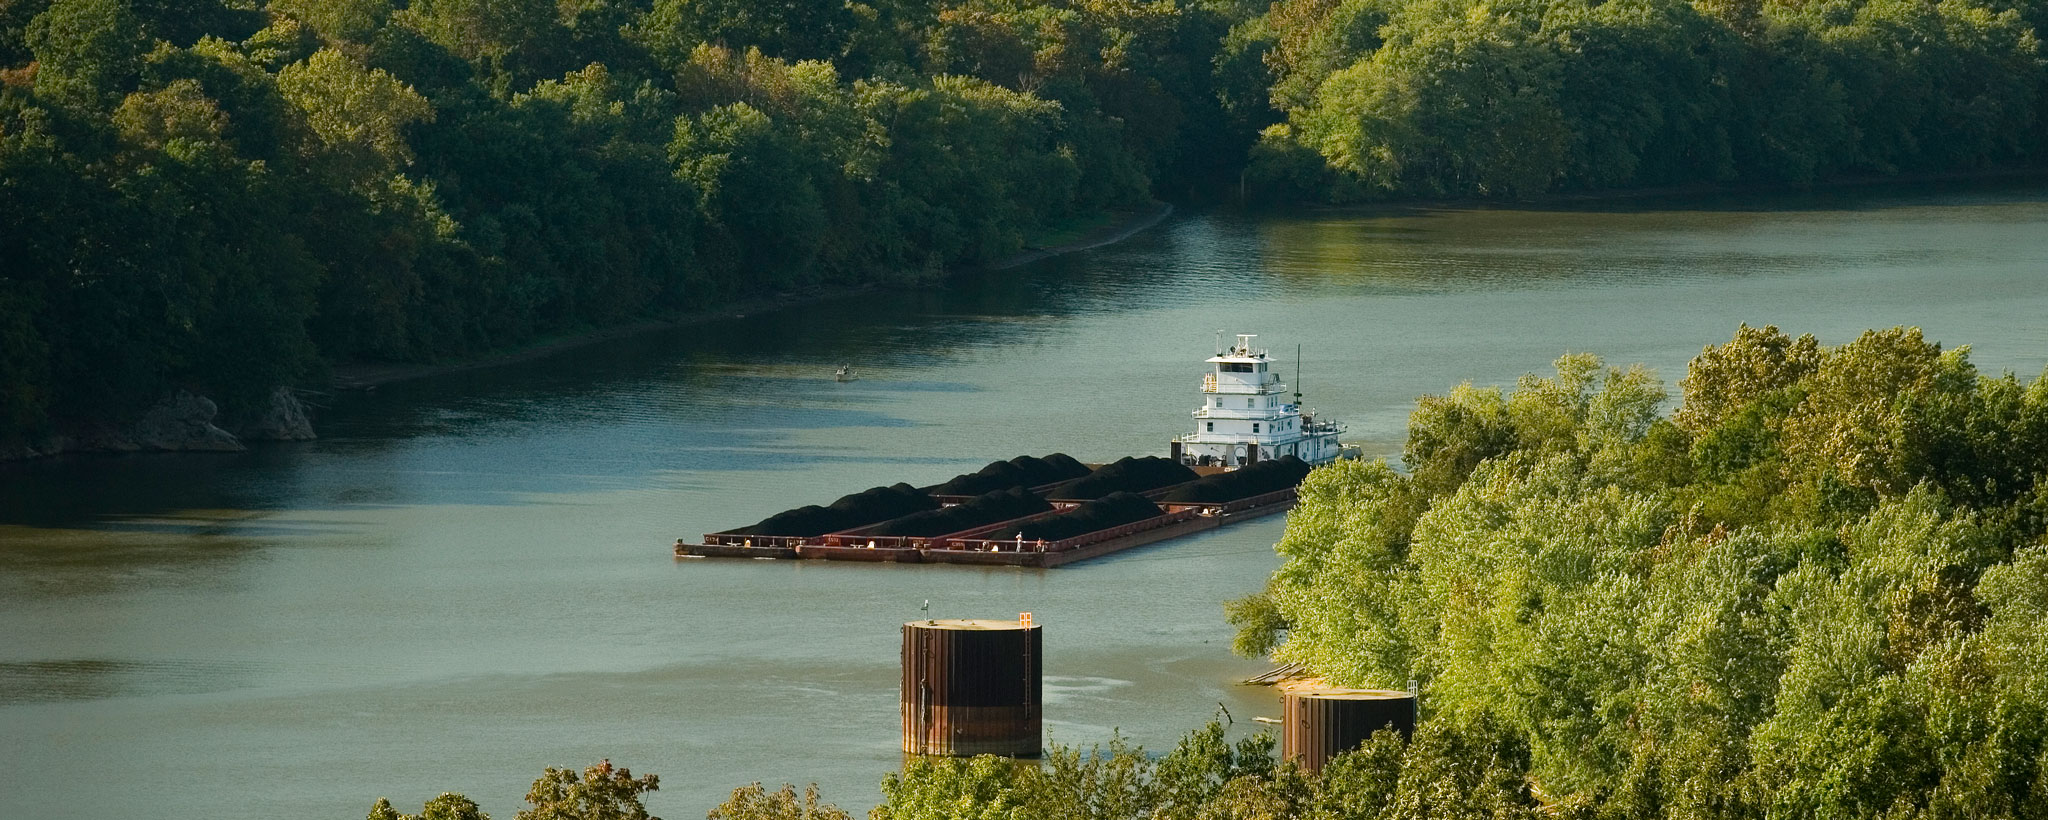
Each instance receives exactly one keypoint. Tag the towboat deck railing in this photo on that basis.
(727, 539)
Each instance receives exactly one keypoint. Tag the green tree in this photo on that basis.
(355, 21)
(1726, 378)
(513, 41)
(1818, 620)
(1458, 105)
(360, 114)
(790, 29)
(448, 806)
(751, 802)
(600, 792)
(88, 52)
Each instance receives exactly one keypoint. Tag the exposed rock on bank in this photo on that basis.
(183, 422)
(283, 418)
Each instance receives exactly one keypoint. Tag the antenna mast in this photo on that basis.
(1297, 374)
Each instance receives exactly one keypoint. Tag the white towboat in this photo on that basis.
(1246, 416)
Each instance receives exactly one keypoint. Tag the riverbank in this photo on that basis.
(190, 425)
(1637, 197)
(1117, 228)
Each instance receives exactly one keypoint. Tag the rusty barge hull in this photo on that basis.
(1181, 520)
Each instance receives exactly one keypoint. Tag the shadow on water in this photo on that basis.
(720, 395)
(2017, 186)
(739, 383)
(71, 490)
(1502, 250)
(90, 679)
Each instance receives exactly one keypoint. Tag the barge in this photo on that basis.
(1052, 511)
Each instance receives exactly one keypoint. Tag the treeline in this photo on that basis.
(1817, 589)
(1385, 98)
(229, 195)
(226, 196)
(1443, 772)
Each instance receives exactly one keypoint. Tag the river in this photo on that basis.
(466, 579)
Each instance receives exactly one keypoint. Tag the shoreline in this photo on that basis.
(369, 376)
(1119, 226)
(1677, 192)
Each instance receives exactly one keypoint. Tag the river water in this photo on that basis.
(466, 579)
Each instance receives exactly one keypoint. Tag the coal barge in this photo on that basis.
(1046, 512)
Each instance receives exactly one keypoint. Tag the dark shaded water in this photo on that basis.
(466, 579)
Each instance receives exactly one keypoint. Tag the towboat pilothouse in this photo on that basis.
(1247, 416)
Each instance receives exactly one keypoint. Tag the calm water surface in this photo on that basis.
(466, 580)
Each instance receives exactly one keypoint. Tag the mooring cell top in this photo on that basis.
(1349, 694)
(970, 623)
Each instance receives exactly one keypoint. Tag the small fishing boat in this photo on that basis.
(845, 374)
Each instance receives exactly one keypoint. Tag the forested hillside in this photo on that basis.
(225, 196)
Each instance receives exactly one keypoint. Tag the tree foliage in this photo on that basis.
(599, 792)
(206, 196)
(1813, 593)
(1510, 99)
(1448, 769)
(225, 200)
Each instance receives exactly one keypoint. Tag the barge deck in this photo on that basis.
(966, 548)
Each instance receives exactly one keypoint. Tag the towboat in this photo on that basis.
(1251, 450)
(1247, 415)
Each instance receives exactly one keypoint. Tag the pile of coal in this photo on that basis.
(1113, 510)
(1126, 475)
(1257, 479)
(1022, 471)
(857, 510)
(988, 508)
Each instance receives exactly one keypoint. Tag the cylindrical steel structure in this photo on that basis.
(972, 686)
(1318, 723)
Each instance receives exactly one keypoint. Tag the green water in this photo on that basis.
(466, 579)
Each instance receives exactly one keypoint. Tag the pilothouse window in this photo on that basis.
(1236, 367)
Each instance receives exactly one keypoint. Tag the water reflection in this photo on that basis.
(81, 489)
(76, 680)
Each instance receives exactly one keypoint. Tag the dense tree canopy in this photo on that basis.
(1820, 589)
(227, 202)
(227, 197)
(1382, 98)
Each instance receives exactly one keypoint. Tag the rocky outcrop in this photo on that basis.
(183, 422)
(283, 418)
(19, 450)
